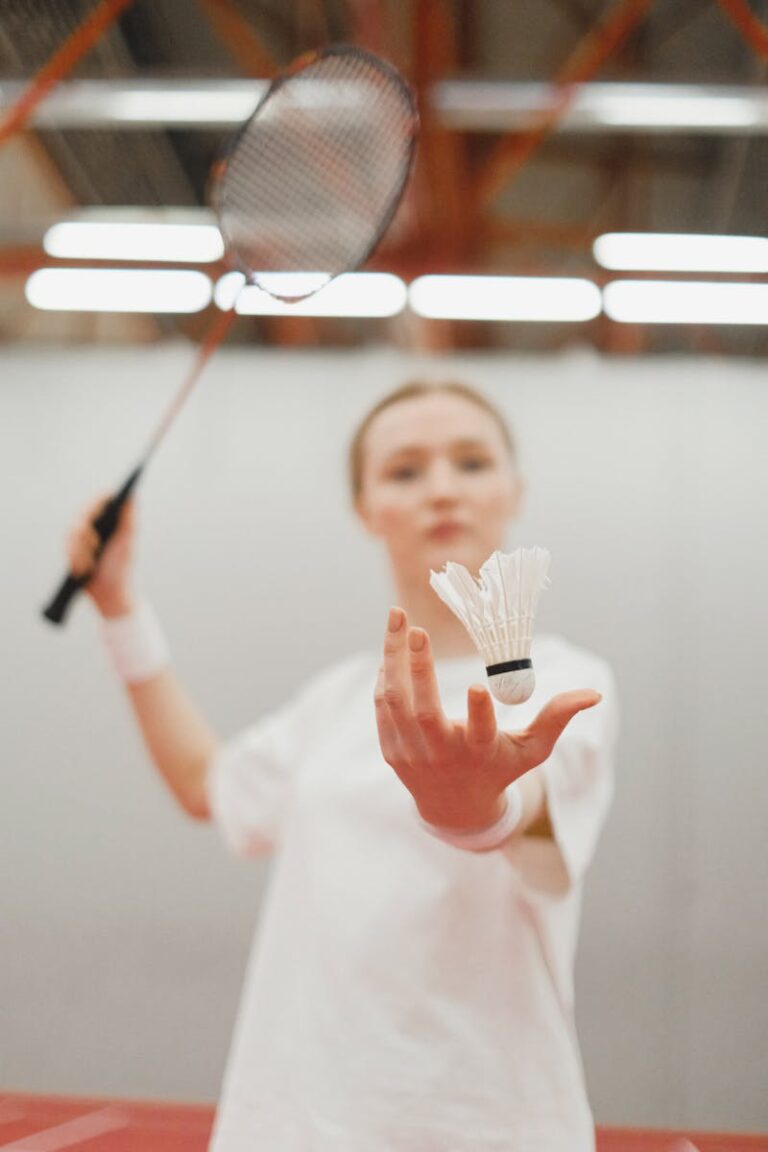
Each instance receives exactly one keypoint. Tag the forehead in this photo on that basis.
(430, 422)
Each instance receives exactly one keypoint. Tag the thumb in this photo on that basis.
(546, 729)
(128, 514)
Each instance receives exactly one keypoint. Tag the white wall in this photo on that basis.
(125, 929)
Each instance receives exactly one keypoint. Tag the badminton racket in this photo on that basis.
(304, 192)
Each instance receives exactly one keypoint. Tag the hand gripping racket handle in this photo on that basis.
(105, 524)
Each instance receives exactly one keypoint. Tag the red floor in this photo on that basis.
(49, 1123)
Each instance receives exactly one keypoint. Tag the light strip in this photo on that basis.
(685, 302)
(129, 103)
(462, 105)
(520, 298)
(671, 111)
(681, 252)
(118, 290)
(176, 243)
(503, 106)
(353, 294)
(185, 107)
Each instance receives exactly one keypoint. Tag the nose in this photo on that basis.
(442, 483)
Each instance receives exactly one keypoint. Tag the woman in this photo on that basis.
(411, 987)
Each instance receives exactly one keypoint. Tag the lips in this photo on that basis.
(445, 530)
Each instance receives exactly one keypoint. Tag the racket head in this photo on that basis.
(310, 183)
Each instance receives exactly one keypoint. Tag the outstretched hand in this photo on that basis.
(456, 772)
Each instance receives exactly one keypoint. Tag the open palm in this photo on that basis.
(456, 771)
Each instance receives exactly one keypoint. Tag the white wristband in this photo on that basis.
(487, 838)
(136, 644)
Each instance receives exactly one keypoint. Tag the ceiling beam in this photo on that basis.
(238, 37)
(591, 52)
(78, 44)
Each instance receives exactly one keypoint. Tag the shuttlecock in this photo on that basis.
(498, 611)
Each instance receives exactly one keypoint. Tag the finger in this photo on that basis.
(546, 729)
(388, 738)
(81, 560)
(396, 667)
(427, 707)
(125, 518)
(481, 716)
(79, 535)
(79, 545)
(128, 514)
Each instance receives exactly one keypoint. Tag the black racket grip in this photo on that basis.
(105, 524)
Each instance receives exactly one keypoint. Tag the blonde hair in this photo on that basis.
(412, 391)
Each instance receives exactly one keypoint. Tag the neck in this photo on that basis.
(426, 610)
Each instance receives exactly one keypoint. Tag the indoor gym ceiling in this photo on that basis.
(542, 217)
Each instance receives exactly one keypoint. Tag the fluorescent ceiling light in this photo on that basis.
(464, 105)
(353, 294)
(671, 252)
(504, 298)
(177, 243)
(185, 105)
(117, 290)
(504, 106)
(215, 102)
(667, 109)
(685, 302)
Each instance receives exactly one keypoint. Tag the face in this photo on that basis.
(438, 483)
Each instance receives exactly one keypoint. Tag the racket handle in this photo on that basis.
(105, 524)
(57, 609)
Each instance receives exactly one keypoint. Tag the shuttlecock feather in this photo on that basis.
(498, 611)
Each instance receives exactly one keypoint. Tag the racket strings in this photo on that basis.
(315, 176)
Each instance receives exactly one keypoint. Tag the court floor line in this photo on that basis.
(70, 1132)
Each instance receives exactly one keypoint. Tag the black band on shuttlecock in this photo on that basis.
(508, 666)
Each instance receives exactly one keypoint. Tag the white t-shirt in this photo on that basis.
(404, 995)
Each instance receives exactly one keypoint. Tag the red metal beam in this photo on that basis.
(751, 27)
(441, 173)
(61, 64)
(370, 25)
(237, 35)
(584, 62)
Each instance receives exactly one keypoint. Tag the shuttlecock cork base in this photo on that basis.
(498, 612)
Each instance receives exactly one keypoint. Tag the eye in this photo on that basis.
(404, 473)
(473, 463)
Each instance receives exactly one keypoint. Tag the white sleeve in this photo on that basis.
(250, 779)
(250, 783)
(578, 780)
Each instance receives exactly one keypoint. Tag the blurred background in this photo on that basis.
(584, 238)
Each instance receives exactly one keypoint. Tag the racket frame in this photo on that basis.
(296, 68)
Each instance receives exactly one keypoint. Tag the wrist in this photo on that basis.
(461, 818)
(136, 644)
(490, 837)
(122, 602)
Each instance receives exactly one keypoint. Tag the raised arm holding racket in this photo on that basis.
(305, 192)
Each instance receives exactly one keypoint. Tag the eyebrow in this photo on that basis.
(418, 449)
